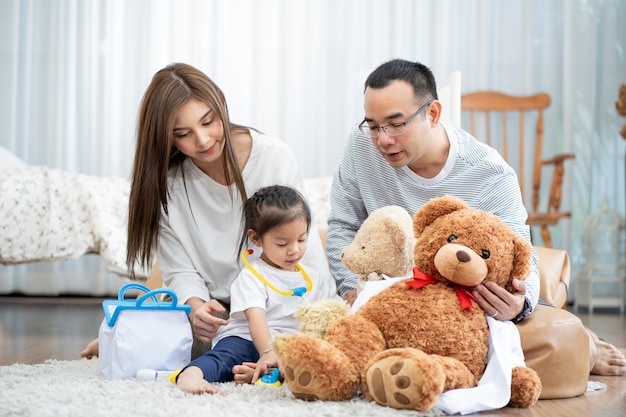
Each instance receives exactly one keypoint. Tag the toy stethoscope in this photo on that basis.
(298, 291)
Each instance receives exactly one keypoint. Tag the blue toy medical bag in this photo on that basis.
(143, 334)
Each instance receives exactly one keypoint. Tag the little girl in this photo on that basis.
(266, 292)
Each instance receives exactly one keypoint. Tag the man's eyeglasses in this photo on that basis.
(394, 129)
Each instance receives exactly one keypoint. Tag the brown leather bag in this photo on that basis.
(554, 341)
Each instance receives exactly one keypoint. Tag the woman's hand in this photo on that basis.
(203, 321)
(498, 302)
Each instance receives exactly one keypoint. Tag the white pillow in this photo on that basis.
(318, 194)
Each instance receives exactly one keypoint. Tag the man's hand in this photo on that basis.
(349, 296)
(498, 302)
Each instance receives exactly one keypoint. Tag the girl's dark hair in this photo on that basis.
(270, 207)
(170, 89)
(418, 75)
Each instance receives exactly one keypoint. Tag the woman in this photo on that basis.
(192, 173)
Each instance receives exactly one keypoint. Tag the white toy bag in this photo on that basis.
(140, 334)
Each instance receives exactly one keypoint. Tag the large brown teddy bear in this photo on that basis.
(412, 342)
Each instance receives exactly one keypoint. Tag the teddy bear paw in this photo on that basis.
(525, 387)
(313, 373)
(405, 381)
(302, 384)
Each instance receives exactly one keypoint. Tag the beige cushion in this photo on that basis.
(556, 346)
(555, 341)
(554, 271)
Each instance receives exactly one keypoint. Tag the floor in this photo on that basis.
(33, 329)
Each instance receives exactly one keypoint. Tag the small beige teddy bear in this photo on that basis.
(383, 246)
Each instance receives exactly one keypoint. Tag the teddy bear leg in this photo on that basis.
(357, 337)
(330, 369)
(525, 387)
(316, 370)
(457, 374)
(404, 378)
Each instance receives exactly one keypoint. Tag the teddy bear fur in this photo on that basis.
(314, 319)
(383, 245)
(406, 346)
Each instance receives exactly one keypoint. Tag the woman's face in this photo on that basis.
(199, 133)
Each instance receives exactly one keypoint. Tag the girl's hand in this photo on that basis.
(266, 361)
(243, 373)
(203, 321)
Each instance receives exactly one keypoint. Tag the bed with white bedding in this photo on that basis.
(49, 215)
(49, 219)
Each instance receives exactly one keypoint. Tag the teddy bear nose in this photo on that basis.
(463, 256)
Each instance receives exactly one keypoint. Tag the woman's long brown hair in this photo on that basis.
(171, 88)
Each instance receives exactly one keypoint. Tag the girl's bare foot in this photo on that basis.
(243, 373)
(91, 350)
(192, 380)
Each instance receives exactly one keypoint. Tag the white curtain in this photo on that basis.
(72, 73)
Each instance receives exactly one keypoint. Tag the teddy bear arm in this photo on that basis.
(525, 387)
(315, 318)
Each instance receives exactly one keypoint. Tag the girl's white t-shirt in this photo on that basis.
(249, 291)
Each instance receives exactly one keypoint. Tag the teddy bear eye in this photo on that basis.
(485, 254)
(451, 238)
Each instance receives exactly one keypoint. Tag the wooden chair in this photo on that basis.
(493, 116)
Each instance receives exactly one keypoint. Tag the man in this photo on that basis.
(403, 154)
(414, 158)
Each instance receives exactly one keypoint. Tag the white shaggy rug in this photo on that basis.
(74, 388)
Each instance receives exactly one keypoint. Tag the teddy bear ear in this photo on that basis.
(434, 209)
(399, 228)
(395, 222)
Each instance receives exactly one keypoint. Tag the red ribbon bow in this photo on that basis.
(421, 279)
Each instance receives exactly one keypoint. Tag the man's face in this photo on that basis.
(393, 105)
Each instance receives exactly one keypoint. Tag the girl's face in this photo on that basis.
(284, 245)
(199, 134)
